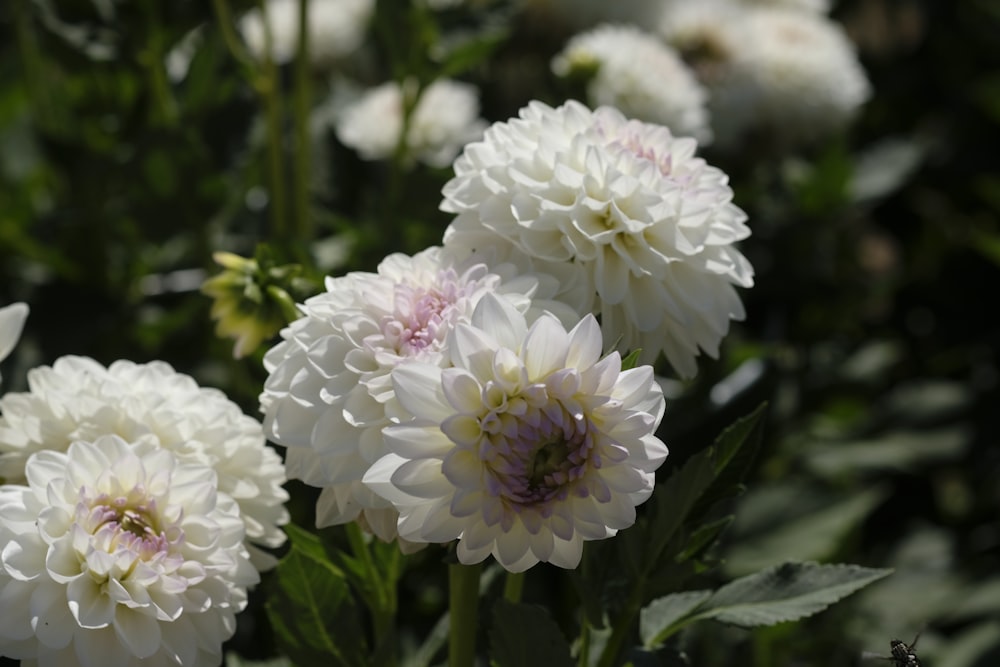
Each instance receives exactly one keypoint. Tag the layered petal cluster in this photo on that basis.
(336, 29)
(118, 553)
(329, 395)
(804, 72)
(12, 319)
(640, 75)
(527, 446)
(79, 399)
(777, 69)
(641, 228)
(444, 119)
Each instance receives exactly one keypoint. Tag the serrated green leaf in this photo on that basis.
(674, 500)
(311, 609)
(786, 592)
(800, 537)
(524, 635)
(660, 615)
(704, 537)
(733, 454)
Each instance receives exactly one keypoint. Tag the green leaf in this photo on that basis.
(786, 592)
(795, 531)
(703, 537)
(898, 450)
(524, 635)
(732, 455)
(461, 52)
(660, 615)
(632, 360)
(311, 609)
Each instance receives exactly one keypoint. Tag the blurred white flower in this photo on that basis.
(119, 554)
(641, 229)
(815, 6)
(445, 118)
(710, 37)
(789, 75)
(336, 29)
(529, 445)
(79, 399)
(329, 394)
(576, 15)
(804, 72)
(12, 319)
(640, 75)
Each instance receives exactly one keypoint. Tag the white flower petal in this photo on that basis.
(499, 317)
(418, 388)
(12, 320)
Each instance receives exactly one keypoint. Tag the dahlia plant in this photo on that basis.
(495, 403)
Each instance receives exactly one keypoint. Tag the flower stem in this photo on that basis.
(513, 585)
(382, 602)
(271, 90)
(301, 101)
(622, 628)
(463, 602)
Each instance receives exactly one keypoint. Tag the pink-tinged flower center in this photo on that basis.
(130, 523)
(537, 454)
(422, 314)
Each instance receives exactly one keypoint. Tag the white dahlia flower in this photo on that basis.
(638, 74)
(12, 319)
(576, 15)
(336, 29)
(445, 118)
(329, 393)
(642, 229)
(118, 553)
(710, 37)
(79, 399)
(804, 73)
(527, 446)
(815, 6)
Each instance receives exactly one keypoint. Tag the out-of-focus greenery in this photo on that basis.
(872, 330)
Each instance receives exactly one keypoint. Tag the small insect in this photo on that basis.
(903, 655)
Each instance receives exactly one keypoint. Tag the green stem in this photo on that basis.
(269, 87)
(266, 83)
(513, 585)
(163, 111)
(231, 40)
(463, 603)
(302, 103)
(584, 658)
(622, 628)
(383, 605)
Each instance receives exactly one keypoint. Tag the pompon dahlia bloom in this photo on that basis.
(639, 75)
(119, 554)
(12, 319)
(529, 445)
(815, 6)
(710, 37)
(642, 230)
(336, 29)
(329, 393)
(445, 118)
(804, 73)
(79, 399)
